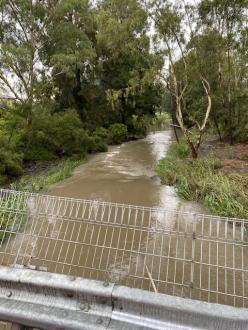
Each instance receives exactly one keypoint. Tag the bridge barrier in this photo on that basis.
(54, 301)
(188, 255)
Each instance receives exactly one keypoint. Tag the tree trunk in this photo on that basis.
(193, 149)
(173, 116)
(217, 128)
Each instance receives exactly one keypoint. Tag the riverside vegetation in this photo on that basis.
(116, 134)
(203, 180)
(77, 75)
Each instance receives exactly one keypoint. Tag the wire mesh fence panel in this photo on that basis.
(188, 255)
(5, 326)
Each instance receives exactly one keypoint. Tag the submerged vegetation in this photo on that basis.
(203, 180)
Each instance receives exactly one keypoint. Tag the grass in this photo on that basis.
(202, 180)
(40, 182)
(9, 220)
(32, 183)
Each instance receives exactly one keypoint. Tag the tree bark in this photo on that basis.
(194, 150)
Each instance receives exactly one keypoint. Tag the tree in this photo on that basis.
(127, 68)
(227, 18)
(21, 30)
(69, 51)
(170, 27)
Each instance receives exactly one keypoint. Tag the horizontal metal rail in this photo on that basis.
(53, 301)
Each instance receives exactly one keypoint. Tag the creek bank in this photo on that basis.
(40, 176)
(234, 158)
(218, 179)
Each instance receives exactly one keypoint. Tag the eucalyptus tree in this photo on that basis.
(22, 25)
(229, 19)
(127, 66)
(69, 50)
(170, 22)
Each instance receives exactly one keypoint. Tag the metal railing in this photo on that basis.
(188, 255)
(54, 301)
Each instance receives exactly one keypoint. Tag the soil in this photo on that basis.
(33, 168)
(39, 167)
(234, 157)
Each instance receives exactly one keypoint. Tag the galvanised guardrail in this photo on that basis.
(54, 301)
(126, 248)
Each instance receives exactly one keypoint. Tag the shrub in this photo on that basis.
(96, 144)
(161, 118)
(118, 133)
(179, 150)
(139, 125)
(57, 135)
(10, 164)
(102, 132)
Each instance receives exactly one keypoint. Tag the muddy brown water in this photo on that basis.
(173, 247)
(125, 174)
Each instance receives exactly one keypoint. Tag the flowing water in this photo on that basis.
(168, 243)
(125, 174)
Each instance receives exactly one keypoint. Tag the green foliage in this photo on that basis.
(139, 125)
(10, 161)
(102, 132)
(118, 133)
(201, 180)
(62, 55)
(96, 144)
(160, 119)
(179, 150)
(9, 219)
(214, 56)
(60, 134)
(71, 69)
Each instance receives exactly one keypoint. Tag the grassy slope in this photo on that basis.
(40, 182)
(202, 180)
(34, 183)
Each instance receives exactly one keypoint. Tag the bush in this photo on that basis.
(61, 134)
(96, 144)
(118, 133)
(102, 132)
(139, 125)
(179, 150)
(161, 119)
(10, 164)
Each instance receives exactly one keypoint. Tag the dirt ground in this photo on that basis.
(33, 168)
(234, 158)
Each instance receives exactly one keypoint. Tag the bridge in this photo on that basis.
(84, 264)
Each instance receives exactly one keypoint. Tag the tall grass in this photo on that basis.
(202, 180)
(40, 182)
